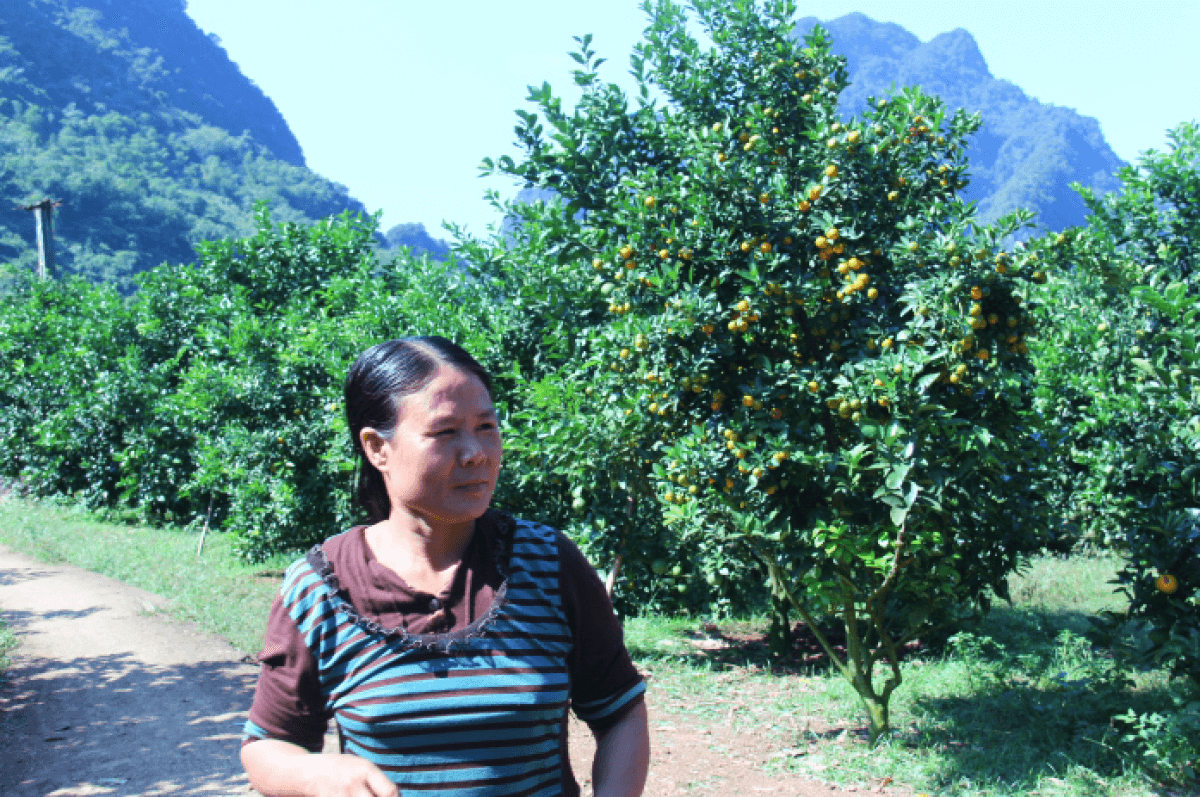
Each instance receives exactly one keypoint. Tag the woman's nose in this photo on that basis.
(473, 451)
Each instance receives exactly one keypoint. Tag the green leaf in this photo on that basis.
(1144, 365)
(896, 477)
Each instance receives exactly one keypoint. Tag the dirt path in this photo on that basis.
(109, 697)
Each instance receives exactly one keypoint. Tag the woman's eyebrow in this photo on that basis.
(451, 417)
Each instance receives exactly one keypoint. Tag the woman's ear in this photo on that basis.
(375, 448)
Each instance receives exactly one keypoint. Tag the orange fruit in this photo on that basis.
(1166, 584)
(650, 202)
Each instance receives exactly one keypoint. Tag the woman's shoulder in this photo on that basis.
(337, 554)
(529, 537)
(537, 541)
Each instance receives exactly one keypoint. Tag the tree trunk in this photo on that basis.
(877, 716)
(779, 639)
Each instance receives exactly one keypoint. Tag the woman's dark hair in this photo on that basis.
(379, 378)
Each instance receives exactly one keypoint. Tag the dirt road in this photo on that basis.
(107, 696)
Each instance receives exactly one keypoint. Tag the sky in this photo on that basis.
(400, 100)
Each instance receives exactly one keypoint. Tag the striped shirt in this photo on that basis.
(477, 710)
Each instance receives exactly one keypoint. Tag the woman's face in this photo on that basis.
(443, 458)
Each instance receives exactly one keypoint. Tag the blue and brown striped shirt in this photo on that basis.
(472, 698)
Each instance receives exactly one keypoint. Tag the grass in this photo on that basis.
(214, 590)
(1021, 705)
(8, 641)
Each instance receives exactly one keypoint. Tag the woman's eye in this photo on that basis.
(445, 432)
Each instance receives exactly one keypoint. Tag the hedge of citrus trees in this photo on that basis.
(215, 392)
(1119, 390)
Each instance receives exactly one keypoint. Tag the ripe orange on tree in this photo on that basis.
(1166, 584)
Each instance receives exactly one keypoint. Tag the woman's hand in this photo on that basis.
(623, 756)
(281, 769)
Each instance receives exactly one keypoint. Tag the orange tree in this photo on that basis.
(1121, 391)
(213, 395)
(755, 340)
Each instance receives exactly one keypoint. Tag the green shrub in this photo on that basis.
(217, 386)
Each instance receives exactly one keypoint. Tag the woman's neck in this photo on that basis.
(425, 555)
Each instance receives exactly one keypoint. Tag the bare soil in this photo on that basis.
(108, 696)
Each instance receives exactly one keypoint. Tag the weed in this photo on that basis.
(8, 641)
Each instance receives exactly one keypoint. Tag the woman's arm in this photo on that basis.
(283, 769)
(623, 756)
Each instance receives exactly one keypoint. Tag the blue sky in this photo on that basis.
(400, 100)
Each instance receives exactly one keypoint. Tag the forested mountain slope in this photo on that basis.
(145, 130)
(1026, 154)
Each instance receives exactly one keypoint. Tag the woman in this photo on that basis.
(445, 639)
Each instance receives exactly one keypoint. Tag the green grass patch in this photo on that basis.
(8, 641)
(214, 590)
(1021, 704)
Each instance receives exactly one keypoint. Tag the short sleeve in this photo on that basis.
(604, 682)
(288, 704)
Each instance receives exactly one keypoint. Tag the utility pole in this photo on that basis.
(42, 212)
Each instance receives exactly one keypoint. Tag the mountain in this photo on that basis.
(145, 130)
(417, 239)
(1027, 152)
